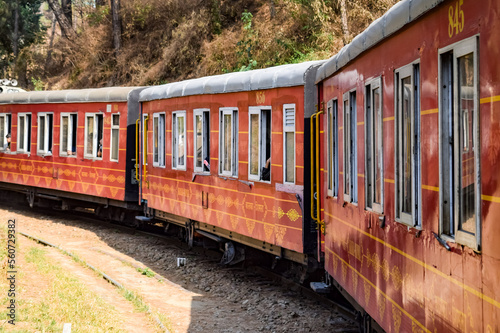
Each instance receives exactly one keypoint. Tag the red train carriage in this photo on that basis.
(410, 193)
(224, 156)
(69, 147)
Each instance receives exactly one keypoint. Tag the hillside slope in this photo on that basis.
(169, 40)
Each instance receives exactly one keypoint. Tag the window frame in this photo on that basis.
(205, 139)
(352, 196)
(370, 132)
(289, 129)
(333, 147)
(111, 141)
(175, 116)
(27, 133)
(49, 132)
(70, 133)
(233, 112)
(413, 220)
(259, 110)
(7, 123)
(459, 49)
(161, 161)
(95, 137)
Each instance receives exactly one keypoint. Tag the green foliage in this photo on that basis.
(246, 45)
(98, 16)
(146, 271)
(38, 84)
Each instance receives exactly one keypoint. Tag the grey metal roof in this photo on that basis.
(274, 77)
(112, 94)
(401, 14)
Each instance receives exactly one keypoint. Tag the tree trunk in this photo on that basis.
(15, 34)
(99, 3)
(51, 43)
(117, 29)
(67, 10)
(64, 24)
(272, 8)
(345, 29)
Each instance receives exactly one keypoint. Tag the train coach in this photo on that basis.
(224, 157)
(410, 195)
(71, 148)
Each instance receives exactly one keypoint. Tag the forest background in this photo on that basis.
(60, 44)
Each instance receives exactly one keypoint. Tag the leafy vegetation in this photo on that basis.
(170, 40)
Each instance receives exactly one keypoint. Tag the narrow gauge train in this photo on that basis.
(410, 195)
(390, 183)
(71, 148)
(224, 156)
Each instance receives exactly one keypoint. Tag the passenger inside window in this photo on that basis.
(7, 144)
(266, 170)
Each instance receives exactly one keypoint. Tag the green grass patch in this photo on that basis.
(66, 300)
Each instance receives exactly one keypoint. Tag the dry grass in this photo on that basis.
(61, 298)
(169, 40)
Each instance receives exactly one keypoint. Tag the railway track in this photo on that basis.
(266, 278)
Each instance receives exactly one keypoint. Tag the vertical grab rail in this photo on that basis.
(318, 169)
(315, 167)
(137, 149)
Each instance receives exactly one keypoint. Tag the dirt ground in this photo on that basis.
(198, 297)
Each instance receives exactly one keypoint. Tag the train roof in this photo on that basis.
(274, 77)
(111, 94)
(401, 14)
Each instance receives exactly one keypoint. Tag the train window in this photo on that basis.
(93, 136)
(407, 145)
(5, 122)
(289, 143)
(115, 137)
(24, 132)
(333, 149)
(179, 140)
(259, 143)
(45, 124)
(228, 142)
(350, 148)
(159, 139)
(202, 140)
(374, 165)
(69, 127)
(460, 193)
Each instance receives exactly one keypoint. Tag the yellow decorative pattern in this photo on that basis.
(368, 290)
(396, 317)
(354, 278)
(229, 202)
(220, 200)
(381, 307)
(219, 217)
(114, 191)
(293, 215)
(268, 230)
(249, 205)
(415, 328)
(344, 272)
(396, 278)
(234, 222)
(385, 269)
(280, 234)
(250, 226)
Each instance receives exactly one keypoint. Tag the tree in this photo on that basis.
(345, 29)
(67, 10)
(117, 29)
(64, 23)
(20, 27)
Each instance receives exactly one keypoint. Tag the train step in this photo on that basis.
(320, 287)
